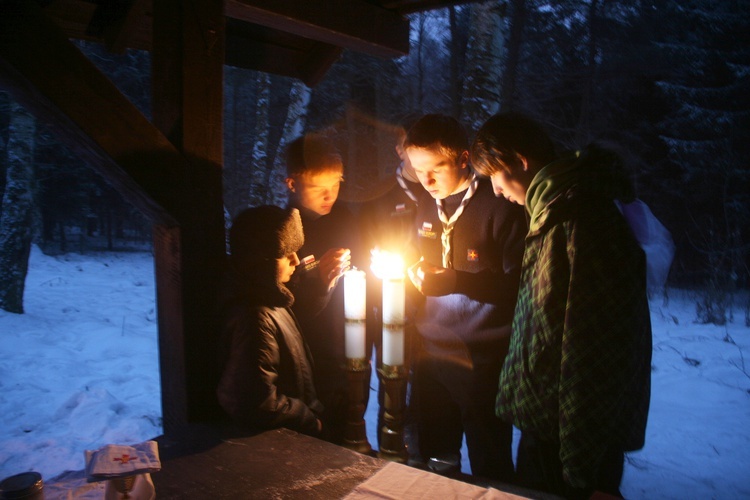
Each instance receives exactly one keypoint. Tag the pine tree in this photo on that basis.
(706, 131)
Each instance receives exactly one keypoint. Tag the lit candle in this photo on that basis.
(390, 268)
(354, 313)
(393, 321)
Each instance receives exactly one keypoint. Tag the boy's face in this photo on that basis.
(513, 182)
(440, 175)
(316, 192)
(285, 267)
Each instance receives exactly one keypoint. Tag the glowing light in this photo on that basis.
(387, 264)
(390, 268)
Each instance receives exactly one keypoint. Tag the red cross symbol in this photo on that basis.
(472, 255)
(125, 458)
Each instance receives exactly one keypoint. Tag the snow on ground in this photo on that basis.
(79, 370)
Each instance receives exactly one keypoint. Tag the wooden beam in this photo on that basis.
(411, 6)
(317, 61)
(119, 35)
(354, 24)
(47, 74)
(187, 69)
(309, 64)
(75, 18)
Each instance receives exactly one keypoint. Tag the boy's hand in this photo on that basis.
(333, 264)
(432, 280)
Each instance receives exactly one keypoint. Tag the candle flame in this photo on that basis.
(386, 264)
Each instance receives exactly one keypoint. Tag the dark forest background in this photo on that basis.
(667, 82)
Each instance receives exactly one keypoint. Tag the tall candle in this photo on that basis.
(393, 321)
(389, 267)
(393, 301)
(393, 345)
(354, 313)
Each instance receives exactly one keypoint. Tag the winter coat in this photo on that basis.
(267, 380)
(578, 369)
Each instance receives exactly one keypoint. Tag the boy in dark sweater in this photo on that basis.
(314, 173)
(471, 244)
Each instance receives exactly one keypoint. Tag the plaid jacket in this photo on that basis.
(578, 370)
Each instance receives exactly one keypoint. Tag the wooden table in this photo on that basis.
(210, 463)
(275, 464)
(287, 465)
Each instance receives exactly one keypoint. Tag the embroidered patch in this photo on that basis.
(401, 210)
(472, 255)
(426, 231)
(309, 263)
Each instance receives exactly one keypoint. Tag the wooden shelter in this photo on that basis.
(171, 168)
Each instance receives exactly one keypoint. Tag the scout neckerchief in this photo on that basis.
(448, 224)
(402, 182)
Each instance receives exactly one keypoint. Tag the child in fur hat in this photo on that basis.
(267, 380)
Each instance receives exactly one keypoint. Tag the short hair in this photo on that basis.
(312, 154)
(504, 137)
(440, 133)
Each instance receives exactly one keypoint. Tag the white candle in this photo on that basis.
(390, 268)
(355, 312)
(355, 339)
(393, 345)
(393, 301)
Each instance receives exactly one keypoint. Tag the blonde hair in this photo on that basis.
(312, 154)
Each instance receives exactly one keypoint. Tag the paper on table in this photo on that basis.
(399, 481)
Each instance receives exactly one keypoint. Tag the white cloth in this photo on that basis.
(115, 460)
(655, 240)
(401, 182)
(401, 482)
(448, 224)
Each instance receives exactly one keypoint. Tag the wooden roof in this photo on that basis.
(295, 38)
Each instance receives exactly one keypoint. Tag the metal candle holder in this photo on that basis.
(355, 432)
(392, 445)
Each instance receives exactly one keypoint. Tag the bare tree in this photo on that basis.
(16, 220)
(294, 126)
(485, 52)
(259, 169)
(516, 19)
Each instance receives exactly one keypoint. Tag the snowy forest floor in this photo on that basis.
(79, 369)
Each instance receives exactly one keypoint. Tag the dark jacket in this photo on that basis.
(267, 380)
(578, 369)
(319, 311)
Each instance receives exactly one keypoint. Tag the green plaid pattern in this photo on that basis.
(578, 369)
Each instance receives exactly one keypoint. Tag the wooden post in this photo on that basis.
(187, 65)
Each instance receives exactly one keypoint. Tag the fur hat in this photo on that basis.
(265, 233)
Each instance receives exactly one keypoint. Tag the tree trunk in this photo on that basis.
(458, 21)
(484, 58)
(455, 54)
(16, 220)
(587, 129)
(517, 23)
(260, 170)
(294, 126)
